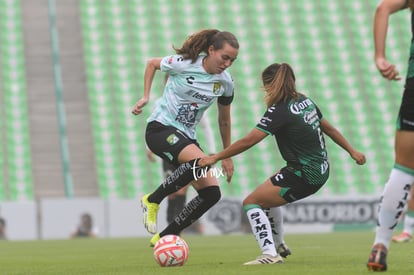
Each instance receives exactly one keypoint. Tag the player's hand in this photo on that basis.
(387, 69)
(150, 156)
(206, 161)
(228, 168)
(137, 109)
(358, 157)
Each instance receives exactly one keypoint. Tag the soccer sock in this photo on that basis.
(261, 228)
(275, 216)
(409, 221)
(175, 204)
(183, 175)
(194, 209)
(392, 203)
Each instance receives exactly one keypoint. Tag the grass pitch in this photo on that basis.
(334, 253)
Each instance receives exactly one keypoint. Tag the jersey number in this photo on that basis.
(325, 164)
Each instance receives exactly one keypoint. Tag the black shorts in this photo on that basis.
(166, 141)
(293, 187)
(405, 120)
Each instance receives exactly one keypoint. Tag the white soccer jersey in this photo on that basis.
(189, 91)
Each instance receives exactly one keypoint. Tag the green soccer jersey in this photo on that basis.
(410, 72)
(296, 127)
(189, 91)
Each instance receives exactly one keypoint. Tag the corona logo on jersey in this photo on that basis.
(298, 107)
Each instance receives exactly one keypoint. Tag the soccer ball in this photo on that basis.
(171, 250)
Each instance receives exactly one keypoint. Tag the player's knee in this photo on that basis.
(249, 200)
(211, 194)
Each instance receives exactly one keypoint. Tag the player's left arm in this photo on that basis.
(224, 121)
(339, 139)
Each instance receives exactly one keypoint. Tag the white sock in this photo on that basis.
(262, 230)
(409, 222)
(392, 204)
(275, 216)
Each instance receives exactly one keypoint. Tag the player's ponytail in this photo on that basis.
(279, 83)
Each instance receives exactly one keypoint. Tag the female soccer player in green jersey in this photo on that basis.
(397, 189)
(298, 126)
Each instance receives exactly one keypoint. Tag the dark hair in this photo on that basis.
(200, 42)
(2, 222)
(410, 4)
(279, 83)
(87, 222)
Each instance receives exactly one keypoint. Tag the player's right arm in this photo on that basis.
(384, 9)
(239, 146)
(153, 65)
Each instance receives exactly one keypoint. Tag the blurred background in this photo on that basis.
(71, 70)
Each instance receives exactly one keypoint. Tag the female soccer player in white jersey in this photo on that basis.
(197, 78)
(298, 126)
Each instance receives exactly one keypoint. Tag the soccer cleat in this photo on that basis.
(149, 214)
(404, 237)
(378, 259)
(265, 259)
(154, 239)
(283, 250)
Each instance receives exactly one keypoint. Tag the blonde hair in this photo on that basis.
(200, 42)
(279, 84)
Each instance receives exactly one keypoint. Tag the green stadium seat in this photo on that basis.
(328, 43)
(14, 115)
